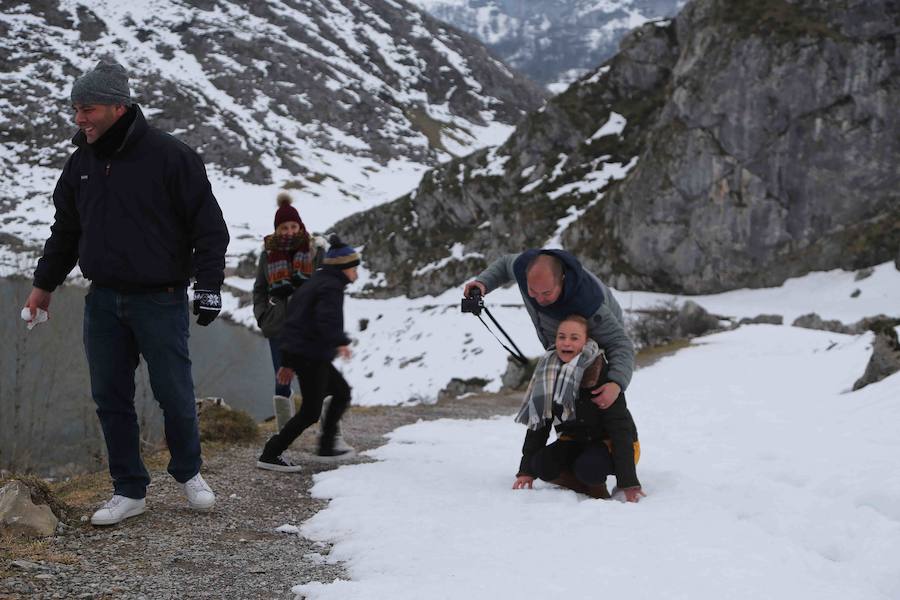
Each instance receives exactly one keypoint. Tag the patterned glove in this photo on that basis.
(207, 304)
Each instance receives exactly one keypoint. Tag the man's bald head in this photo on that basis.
(544, 276)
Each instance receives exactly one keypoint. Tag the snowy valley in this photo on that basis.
(674, 174)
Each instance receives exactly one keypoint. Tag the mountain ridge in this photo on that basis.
(551, 42)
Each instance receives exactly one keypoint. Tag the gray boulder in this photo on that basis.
(876, 323)
(814, 321)
(864, 273)
(517, 375)
(762, 320)
(694, 320)
(885, 360)
(20, 517)
(458, 387)
(666, 322)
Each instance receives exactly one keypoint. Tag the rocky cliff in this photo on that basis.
(737, 145)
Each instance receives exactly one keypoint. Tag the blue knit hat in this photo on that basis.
(340, 255)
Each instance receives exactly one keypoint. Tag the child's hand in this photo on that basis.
(344, 352)
(606, 394)
(523, 481)
(633, 494)
(284, 376)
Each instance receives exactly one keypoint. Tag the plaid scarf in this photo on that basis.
(289, 261)
(555, 382)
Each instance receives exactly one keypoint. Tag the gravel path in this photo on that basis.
(233, 551)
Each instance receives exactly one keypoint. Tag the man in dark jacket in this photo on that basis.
(135, 210)
(312, 336)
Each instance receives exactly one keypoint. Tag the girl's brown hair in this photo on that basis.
(575, 319)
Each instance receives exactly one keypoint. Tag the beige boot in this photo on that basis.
(284, 410)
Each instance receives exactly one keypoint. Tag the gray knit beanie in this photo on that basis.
(106, 84)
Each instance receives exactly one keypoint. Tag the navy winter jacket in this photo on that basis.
(143, 218)
(314, 327)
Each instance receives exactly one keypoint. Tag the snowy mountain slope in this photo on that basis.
(556, 42)
(345, 101)
(765, 478)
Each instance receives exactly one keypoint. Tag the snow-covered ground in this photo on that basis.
(766, 478)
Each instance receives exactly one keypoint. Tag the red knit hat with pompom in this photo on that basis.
(285, 211)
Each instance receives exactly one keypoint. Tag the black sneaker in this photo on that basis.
(279, 463)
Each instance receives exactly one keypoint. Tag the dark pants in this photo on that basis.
(118, 329)
(318, 379)
(274, 347)
(591, 462)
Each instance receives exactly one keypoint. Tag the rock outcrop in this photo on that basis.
(668, 322)
(885, 360)
(20, 516)
(774, 154)
(739, 145)
(814, 321)
(762, 320)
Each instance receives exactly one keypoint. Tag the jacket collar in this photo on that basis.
(136, 130)
(336, 272)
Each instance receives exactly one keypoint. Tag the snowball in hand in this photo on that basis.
(39, 317)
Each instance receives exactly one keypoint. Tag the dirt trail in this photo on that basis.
(233, 551)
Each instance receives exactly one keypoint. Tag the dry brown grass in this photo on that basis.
(647, 356)
(16, 548)
(74, 498)
(220, 424)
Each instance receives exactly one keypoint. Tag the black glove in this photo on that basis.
(207, 304)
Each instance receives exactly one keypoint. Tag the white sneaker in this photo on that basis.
(117, 509)
(199, 495)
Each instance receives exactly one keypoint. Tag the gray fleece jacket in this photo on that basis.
(605, 325)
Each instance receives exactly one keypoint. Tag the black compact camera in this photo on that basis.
(473, 302)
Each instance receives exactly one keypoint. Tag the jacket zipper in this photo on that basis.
(107, 168)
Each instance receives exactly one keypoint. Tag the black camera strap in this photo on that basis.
(518, 353)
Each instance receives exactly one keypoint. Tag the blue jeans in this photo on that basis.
(118, 329)
(274, 346)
